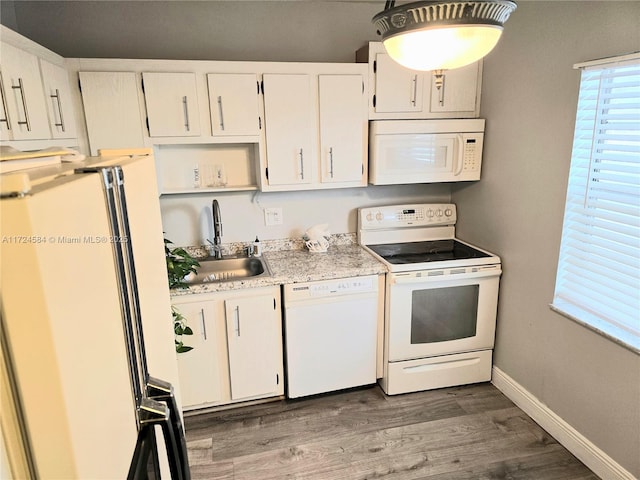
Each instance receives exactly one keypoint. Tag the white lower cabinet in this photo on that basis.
(200, 368)
(254, 334)
(237, 347)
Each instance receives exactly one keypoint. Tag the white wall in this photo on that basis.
(529, 99)
(187, 218)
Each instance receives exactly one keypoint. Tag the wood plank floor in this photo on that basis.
(462, 433)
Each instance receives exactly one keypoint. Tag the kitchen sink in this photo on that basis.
(228, 269)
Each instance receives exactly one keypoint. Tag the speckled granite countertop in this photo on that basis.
(290, 262)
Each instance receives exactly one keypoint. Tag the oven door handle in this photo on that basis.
(443, 275)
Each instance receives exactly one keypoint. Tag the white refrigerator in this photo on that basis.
(86, 323)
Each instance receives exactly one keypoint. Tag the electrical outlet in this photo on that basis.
(272, 216)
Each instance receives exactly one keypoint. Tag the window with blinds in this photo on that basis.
(598, 278)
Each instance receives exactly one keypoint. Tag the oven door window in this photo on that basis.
(444, 314)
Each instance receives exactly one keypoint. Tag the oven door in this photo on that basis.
(440, 312)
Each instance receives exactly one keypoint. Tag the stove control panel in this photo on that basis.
(413, 215)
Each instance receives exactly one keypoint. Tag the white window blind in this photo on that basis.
(598, 279)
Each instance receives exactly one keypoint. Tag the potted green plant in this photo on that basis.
(180, 263)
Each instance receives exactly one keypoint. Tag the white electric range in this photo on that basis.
(441, 297)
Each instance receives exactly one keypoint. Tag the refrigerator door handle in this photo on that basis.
(108, 185)
(125, 240)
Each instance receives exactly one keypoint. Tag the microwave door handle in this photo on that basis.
(460, 156)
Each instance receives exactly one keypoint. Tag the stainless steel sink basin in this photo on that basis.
(228, 269)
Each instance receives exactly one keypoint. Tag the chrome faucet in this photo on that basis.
(217, 229)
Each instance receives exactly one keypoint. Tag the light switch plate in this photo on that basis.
(272, 216)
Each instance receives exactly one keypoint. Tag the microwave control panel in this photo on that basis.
(471, 153)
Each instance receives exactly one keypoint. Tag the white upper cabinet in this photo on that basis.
(343, 128)
(172, 104)
(290, 129)
(316, 128)
(233, 102)
(25, 116)
(397, 89)
(456, 92)
(111, 110)
(396, 92)
(55, 80)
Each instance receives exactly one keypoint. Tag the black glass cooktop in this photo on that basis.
(428, 251)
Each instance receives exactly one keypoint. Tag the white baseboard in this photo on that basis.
(580, 446)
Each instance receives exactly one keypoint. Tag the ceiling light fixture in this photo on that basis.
(441, 35)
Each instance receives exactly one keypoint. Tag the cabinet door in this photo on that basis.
(343, 128)
(172, 104)
(58, 94)
(254, 340)
(111, 110)
(199, 369)
(458, 90)
(398, 89)
(290, 129)
(24, 96)
(233, 102)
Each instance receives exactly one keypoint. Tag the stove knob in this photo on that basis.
(369, 217)
(430, 213)
(448, 212)
(379, 216)
(439, 213)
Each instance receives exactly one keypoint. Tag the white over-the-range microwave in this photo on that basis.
(425, 151)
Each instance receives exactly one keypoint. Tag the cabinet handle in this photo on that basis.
(237, 310)
(439, 84)
(26, 122)
(331, 161)
(221, 114)
(204, 324)
(4, 105)
(57, 97)
(185, 107)
(414, 95)
(301, 165)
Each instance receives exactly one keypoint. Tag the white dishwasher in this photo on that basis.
(330, 334)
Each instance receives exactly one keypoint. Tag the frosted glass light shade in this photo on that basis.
(442, 34)
(443, 48)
